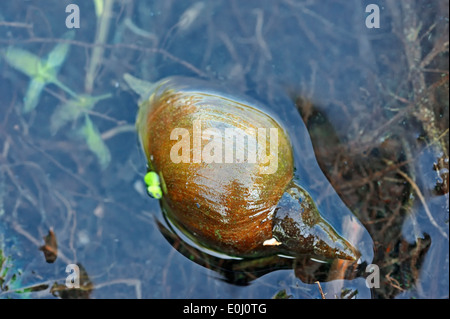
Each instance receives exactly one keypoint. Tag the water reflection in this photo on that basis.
(239, 271)
(375, 102)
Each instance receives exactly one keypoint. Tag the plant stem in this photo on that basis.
(100, 39)
(65, 88)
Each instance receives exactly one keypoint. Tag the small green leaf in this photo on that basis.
(98, 7)
(71, 110)
(65, 113)
(152, 181)
(12, 281)
(95, 142)
(154, 191)
(59, 53)
(33, 94)
(40, 71)
(23, 61)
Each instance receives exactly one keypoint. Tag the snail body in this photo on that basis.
(226, 169)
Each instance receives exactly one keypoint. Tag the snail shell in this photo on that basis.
(228, 206)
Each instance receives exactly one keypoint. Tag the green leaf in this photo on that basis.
(33, 94)
(71, 110)
(153, 183)
(9, 275)
(98, 7)
(95, 142)
(59, 53)
(65, 113)
(41, 72)
(23, 61)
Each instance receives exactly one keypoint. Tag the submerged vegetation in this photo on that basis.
(9, 277)
(375, 101)
(44, 71)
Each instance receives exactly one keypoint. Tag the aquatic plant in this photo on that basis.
(43, 72)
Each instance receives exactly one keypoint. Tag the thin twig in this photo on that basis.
(423, 201)
(16, 24)
(111, 46)
(100, 38)
(118, 129)
(320, 289)
(258, 34)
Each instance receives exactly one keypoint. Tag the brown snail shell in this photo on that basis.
(242, 208)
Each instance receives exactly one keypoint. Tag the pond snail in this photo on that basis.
(194, 136)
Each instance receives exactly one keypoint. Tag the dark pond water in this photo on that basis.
(374, 101)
